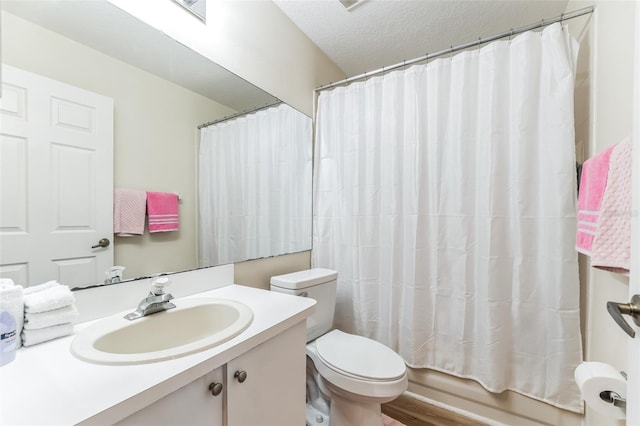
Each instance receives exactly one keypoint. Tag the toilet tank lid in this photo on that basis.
(304, 279)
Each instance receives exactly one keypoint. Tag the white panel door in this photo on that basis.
(56, 181)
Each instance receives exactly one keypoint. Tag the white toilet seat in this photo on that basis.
(358, 365)
(359, 357)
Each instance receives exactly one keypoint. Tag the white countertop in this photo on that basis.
(47, 385)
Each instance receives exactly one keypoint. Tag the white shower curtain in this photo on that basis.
(254, 184)
(445, 197)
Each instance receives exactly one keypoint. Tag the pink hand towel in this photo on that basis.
(612, 242)
(592, 184)
(162, 209)
(128, 212)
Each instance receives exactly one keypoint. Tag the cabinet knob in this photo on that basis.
(216, 388)
(241, 376)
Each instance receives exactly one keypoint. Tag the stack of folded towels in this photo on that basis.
(49, 310)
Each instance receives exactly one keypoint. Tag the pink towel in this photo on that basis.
(162, 209)
(612, 242)
(592, 184)
(128, 212)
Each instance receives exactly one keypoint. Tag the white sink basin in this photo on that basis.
(193, 326)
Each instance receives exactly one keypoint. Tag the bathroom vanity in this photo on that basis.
(258, 377)
(255, 388)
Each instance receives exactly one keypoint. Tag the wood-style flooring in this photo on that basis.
(413, 412)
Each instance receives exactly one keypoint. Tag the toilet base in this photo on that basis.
(354, 413)
(345, 413)
(315, 417)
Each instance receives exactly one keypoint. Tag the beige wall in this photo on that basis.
(257, 273)
(604, 116)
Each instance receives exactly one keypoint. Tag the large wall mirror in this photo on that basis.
(162, 92)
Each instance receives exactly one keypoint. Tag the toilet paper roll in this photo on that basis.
(593, 378)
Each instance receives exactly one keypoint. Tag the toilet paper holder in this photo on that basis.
(613, 397)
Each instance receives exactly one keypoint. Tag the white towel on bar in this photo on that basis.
(50, 318)
(54, 297)
(33, 337)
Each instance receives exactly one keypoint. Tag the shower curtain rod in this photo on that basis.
(238, 114)
(452, 49)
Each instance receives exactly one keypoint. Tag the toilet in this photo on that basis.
(348, 376)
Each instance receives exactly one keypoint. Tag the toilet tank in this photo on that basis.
(319, 284)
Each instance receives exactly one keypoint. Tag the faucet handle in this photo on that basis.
(158, 285)
(114, 274)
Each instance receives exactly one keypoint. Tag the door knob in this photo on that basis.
(241, 376)
(632, 309)
(104, 242)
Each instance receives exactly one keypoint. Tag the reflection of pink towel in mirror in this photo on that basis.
(592, 184)
(128, 212)
(162, 209)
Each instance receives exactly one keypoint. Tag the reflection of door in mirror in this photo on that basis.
(56, 157)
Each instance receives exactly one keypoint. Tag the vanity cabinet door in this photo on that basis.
(266, 386)
(193, 405)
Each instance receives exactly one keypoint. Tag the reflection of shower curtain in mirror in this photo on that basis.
(445, 197)
(254, 177)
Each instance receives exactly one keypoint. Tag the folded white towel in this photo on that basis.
(40, 287)
(12, 301)
(33, 337)
(6, 282)
(50, 318)
(55, 297)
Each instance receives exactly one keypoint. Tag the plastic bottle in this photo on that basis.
(7, 338)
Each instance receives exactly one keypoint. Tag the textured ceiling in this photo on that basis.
(377, 33)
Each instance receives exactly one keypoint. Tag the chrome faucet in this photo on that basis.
(114, 274)
(156, 301)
